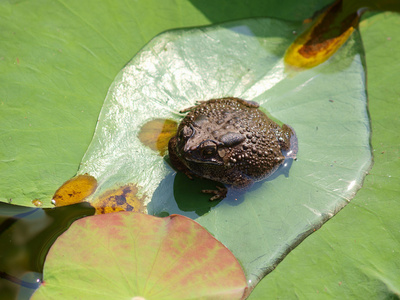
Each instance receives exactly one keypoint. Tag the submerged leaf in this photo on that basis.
(326, 106)
(157, 133)
(123, 198)
(136, 256)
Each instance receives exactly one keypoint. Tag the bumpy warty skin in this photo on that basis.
(229, 140)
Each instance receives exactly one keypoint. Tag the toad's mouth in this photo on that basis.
(195, 156)
(202, 160)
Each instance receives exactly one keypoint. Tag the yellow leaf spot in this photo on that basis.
(37, 202)
(328, 33)
(157, 133)
(123, 198)
(75, 190)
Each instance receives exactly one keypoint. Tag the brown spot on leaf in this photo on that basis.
(328, 33)
(123, 198)
(75, 190)
(157, 133)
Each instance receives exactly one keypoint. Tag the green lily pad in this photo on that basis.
(356, 255)
(325, 105)
(136, 256)
(85, 63)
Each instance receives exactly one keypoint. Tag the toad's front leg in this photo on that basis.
(175, 160)
(219, 193)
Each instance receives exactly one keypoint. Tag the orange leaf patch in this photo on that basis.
(157, 133)
(328, 33)
(123, 198)
(75, 190)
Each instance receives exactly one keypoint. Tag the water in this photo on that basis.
(26, 234)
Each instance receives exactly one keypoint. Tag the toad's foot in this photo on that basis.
(219, 193)
(189, 175)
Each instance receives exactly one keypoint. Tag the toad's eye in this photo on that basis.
(209, 151)
(185, 133)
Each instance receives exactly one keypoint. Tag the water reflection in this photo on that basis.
(177, 194)
(26, 235)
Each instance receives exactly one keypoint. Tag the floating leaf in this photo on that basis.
(136, 256)
(35, 160)
(325, 105)
(356, 254)
(26, 235)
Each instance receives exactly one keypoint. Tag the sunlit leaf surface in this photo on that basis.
(136, 256)
(356, 254)
(325, 105)
(51, 99)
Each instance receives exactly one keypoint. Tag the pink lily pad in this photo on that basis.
(135, 256)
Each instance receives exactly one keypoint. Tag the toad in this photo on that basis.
(229, 140)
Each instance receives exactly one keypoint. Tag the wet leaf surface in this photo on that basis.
(123, 198)
(356, 254)
(66, 70)
(241, 59)
(157, 133)
(127, 255)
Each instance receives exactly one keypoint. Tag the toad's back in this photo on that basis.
(231, 141)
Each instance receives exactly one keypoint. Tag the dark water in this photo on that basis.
(26, 235)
